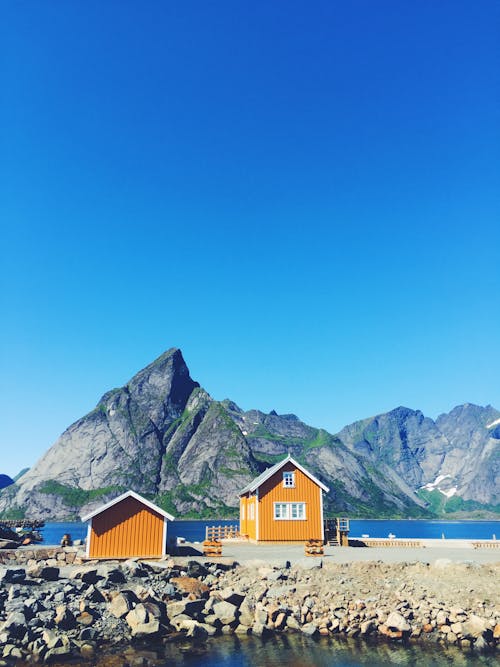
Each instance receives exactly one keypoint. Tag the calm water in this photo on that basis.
(292, 650)
(194, 531)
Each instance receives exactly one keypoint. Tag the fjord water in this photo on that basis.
(194, 531)
(294, 650)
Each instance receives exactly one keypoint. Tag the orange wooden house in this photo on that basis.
(283, 504)
(128, 526)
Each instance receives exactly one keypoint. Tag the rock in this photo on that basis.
(65, 618)
(474, 626)
(231, 596)
(190, 608)
(111, 574)
(309, 629)
(397, 622)
(366, 627)
(122, 603)
(496, 631)
(12, 575)
(225, 612)
(86, 574)
(48, 573)
(191, 586)
(258, 629)
(85, 618)
(14, 626)
(141, 623)
(194, 629)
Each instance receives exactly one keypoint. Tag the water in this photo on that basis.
(293, 650)
(194, 531)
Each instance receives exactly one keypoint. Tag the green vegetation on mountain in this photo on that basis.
(164, 437)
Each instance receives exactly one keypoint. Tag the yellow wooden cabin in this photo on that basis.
(128, 526)
(283, 504)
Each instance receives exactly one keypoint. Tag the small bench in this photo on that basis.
(212, 548)
(314, 548)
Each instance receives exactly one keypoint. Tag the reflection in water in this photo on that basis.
(292, 650)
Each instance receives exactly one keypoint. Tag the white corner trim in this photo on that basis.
(89, 533)
(164, 543)
(257, 515)
(321, 515)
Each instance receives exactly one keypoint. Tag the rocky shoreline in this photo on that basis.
(54, 606)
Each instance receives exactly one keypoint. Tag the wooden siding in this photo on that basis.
(126, 529)
(304, 491)
(248, 526)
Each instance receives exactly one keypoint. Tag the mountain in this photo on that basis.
(163, 436)
(452, 462)
(5, 480)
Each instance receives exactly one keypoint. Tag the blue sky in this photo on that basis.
(303, 197)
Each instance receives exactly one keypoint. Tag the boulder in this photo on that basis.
(141, 623)
(397, 622)
(225, 612)
(474, 626)
(14, 626)
(122, 603)
(65, 618)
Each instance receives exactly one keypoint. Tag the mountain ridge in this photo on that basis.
(164, 436)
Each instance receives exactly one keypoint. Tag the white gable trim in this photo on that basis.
(128, 494)
(258, 481)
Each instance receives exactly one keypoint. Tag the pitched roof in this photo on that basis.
(128, 494)
(258, 481)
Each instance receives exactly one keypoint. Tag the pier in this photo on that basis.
(32, 524)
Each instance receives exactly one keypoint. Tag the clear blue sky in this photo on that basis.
(303, 197)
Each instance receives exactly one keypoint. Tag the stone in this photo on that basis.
(231, 596)
(474, 626)
(309, 629)
(85, 618)
(189, 607)
(65, 618)
(441, 618)
(121, 604)
(225, 612)
(12, 575)
(141, 624)
(397, 622)
(246, 613)
(14, 626)
(191, 586)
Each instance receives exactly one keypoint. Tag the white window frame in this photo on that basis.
(286, 511)
(289, 479)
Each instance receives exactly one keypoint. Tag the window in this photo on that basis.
(289, 511)
(281, 510)
(297, 510)
(289, 480)
(251, 512)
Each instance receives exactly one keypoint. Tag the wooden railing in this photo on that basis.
(22, 523)
(217, 533)
(489, 544)
(373, 542)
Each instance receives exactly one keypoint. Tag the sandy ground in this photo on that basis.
(459, 552)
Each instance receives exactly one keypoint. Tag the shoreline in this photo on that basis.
(61, 606)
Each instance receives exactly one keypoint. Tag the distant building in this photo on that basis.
(283, 504)
(128, 526)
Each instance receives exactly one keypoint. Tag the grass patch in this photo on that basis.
(74, 496)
